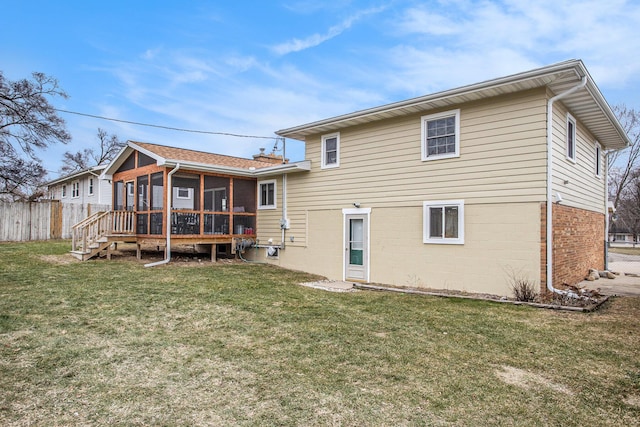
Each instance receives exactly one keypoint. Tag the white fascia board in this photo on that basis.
(76, 175)
(304, 165)
(202, 167)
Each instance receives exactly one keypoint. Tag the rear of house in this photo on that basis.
(450, 191)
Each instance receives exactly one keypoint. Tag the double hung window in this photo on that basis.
(598, 160)
(571, 138)
(441, 135)
(267, 194)
(330, 151)
(75, 189)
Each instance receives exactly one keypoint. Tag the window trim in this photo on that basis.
(323, 160)
(598, 160)
(187, 197)
(75, 189)
(571, 137)
(423, 135)
(64, 191)
(275, 194)
(426, 222)
(90, 185)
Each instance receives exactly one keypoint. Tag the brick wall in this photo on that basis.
(578, 244)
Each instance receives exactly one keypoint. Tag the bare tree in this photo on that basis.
(628, 212)
(27, 122)
(108, 147)
(623, 163)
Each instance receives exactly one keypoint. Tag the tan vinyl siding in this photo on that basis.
(583, 189)
(503, 159)
(268, 220)
(499, 239)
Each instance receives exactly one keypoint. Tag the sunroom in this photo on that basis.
(165, 196)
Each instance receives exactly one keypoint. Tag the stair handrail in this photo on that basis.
(85, 232)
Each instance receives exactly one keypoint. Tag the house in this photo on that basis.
(166, 196)
(464, 189)
(621, 236)
(81, 188)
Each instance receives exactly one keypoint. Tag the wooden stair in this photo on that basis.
(92, 235)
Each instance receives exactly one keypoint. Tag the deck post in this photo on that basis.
(138, 251)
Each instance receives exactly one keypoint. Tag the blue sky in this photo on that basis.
(253, 67)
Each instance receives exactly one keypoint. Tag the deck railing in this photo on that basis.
(99, 226)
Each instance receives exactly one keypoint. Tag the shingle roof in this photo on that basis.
(201, 157)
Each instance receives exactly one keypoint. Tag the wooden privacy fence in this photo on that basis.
(49, 219)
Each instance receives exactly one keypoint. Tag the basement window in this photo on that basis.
(443, 222)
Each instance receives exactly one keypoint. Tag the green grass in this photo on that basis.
(110, 342)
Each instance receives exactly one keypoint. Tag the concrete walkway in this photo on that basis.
(627, 283)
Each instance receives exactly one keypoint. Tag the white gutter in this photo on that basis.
(550, 183)
(168, 219)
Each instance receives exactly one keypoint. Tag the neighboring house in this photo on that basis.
(463, 189)
(619, 235)
(212, 199)
(81, 188)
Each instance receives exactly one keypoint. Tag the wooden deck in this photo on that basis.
(100, 232)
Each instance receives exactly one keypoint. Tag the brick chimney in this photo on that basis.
(269, 158)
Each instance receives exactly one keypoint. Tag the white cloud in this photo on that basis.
(466, 41)
(313, 40)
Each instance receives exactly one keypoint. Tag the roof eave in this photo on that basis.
(76, 175)
(301, 166)
(541, 77)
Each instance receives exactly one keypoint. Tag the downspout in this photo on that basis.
(550, 183)
(606, 209)
(168, 219)
(284, 222)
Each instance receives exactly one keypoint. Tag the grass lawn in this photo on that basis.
(626, 251)
(102, 343)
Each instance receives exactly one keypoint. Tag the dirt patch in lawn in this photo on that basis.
(63, 259)
(527, 380)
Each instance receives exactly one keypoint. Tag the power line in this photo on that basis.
(277, 138)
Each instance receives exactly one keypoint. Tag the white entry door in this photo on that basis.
(356, 246)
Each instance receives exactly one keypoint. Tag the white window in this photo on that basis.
(441, 135)
(64, 191)
(90, 187)
(267, 194)
(598, 160)
(571, 138)
(75, 190)
(330, 151)
(181, 193)
(443, 222)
